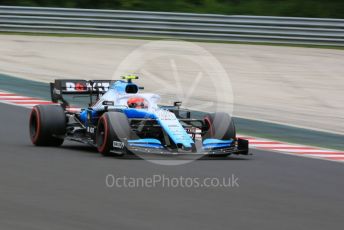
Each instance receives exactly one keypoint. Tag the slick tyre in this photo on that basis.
(219, 126)
(47, 125)
(112, 132)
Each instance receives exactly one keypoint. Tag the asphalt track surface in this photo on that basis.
(64, 188)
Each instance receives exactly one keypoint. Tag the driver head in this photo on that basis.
(137, 103)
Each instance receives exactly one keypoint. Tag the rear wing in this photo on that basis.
(77, 87)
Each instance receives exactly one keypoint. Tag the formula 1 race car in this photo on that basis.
(119, 120)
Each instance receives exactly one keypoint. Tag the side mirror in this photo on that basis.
(177, 103)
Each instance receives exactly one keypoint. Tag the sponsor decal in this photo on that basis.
(118, 144)
(80, 87)
(108, 103)
(84, 86)
(70, 86)
(90, 129)
(165, 115)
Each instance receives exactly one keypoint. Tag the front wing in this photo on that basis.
(142, 146)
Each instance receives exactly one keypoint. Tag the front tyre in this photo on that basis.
(47, 125)
(219, 126)
(104, 136)
(112, 131)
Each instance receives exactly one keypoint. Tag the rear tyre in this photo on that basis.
(112, 132)
(219, 126)
(47, 125)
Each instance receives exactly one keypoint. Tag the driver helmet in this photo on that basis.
(137, 103)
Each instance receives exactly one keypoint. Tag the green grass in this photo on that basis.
(293, 8)
(156, 38)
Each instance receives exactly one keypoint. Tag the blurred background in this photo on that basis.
(294, 8)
